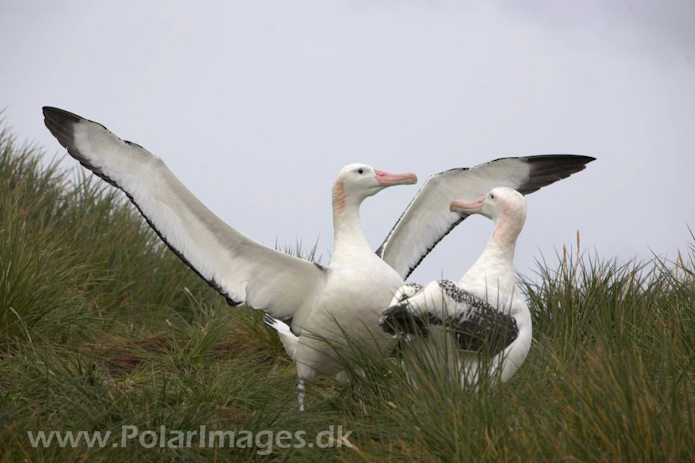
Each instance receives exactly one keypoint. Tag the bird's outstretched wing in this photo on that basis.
(242, 270)
(427, 219)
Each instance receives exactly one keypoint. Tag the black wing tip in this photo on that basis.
(62, 118)
(570, 159)
(550, 168)
(60, 123)
(60, 115)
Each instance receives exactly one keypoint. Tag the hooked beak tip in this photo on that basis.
(386, 179)
(408, 179)
(467, 207)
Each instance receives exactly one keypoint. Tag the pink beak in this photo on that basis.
(386, 179)
(468, 207)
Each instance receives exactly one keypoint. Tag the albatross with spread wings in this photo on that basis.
(357, 284)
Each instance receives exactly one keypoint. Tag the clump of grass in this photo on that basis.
(101, 326)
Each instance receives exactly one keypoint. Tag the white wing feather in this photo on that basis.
(244, 271)
(427, 219)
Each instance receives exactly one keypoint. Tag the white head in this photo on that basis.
(504, 206)
(356, 182)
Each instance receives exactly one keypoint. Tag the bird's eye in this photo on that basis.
(492, 196)
(361, 171)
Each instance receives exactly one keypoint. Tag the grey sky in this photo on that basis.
(257, 105)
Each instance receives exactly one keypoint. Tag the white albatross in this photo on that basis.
(483, 313)
(352, 291)
(357, 284)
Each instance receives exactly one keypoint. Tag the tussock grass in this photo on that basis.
(102, 326)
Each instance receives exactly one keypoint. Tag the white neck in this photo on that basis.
(493, 272)
(348, 238)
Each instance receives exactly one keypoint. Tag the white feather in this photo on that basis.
(244, 270)
(427, 219)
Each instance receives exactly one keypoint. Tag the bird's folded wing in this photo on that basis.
(242, 270)
(476, 324)
(427, 219)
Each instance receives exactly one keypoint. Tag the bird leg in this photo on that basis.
(300, 394)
